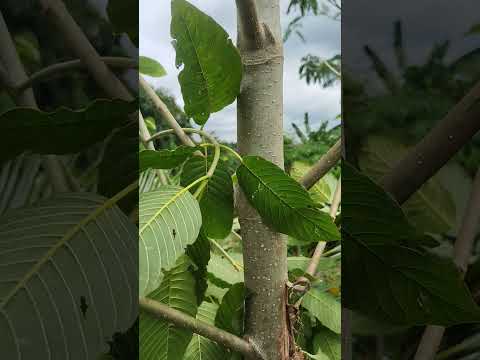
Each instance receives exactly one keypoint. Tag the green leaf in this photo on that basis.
(431, 208)
(71, 249)
(231, 311)
(403, 284)
(123, 15)
(328, 343)
(212, 72)
(283, 203)
(222, 272)
(164, 159)
(158, 339)
(169, 220)
(62, 131)
(199, 253)
(201, 348)
(474, 30)
(216, 202)
(151, 67)
(325, 307)
(318, 356)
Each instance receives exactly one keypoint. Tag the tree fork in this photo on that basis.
(260, 132)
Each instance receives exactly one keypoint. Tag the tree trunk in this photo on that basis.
(260, 132)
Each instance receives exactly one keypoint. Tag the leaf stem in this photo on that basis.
(199, 327)
(228, 149)
(237, 266)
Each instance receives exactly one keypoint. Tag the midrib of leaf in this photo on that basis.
(392, 268)
(69, 235)
(281, 200)
(420, 194)
(171, 201)
(204, 75)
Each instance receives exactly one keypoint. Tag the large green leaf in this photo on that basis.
(164, 159)
(431, 208)
(403, 284)
(68, 277)
(158, 339)
(61, 132)
(169, 220)
(210, 78)
(151, 67)
(283, 203)
(328, 343)
(201, 348)
(216, 203)
(325, 307)
(222, 272)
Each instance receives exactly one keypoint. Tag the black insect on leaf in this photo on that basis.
(83, 306)
(174, 233)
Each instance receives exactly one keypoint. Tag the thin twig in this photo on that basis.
(323, 166)
(432, 335)
(63, 67)
(144, 135)
(162, 108)
(199, 327)
(250, 23)
(235, 265)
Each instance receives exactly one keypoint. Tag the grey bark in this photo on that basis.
(260, 132)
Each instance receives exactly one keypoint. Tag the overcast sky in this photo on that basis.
(322, 39)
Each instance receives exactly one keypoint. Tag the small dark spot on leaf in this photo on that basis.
(83, 306)
(174, 233)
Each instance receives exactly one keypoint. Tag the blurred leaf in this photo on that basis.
(404, 284)
(151, 67)
(328, 343)
(61, 132)
(222, 271)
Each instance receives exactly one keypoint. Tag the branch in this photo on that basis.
(162, 108)
(81, 47)
(199, 327)
(436, 148)
(323, 165)
(56, 69)
(250, 24)
(432, 336)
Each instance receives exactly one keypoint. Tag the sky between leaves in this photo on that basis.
(322, 39)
